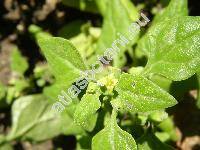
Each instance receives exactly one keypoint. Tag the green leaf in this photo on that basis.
(168, 126)
(150, 142)
(85, 114)
(83, 42)
(2, 139)
(173, 48)
(174, 9)
(162, 82)
(69, 127)
(112, 137)
(37, 32)
(32, 118)
(16, 90)
(63, 58)
(117, 10)
(18, 62)
(6, 146)
(157, 116)
(102, 5)
(138, 94)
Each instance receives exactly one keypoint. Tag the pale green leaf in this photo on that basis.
(32, 118)
(173, 48)
(85, 114)
(69, 127)
(6, 146)
(83, 42)
(18, 62)
(176, 8)
(138, 94)
(168, 126)
(162, 82)
(67, 115)
(112, 137)
(63, 58)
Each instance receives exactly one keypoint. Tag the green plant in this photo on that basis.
(172, 46)
(126, 110)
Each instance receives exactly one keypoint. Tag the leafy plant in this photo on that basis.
(119, 110)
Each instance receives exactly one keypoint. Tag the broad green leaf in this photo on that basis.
(173, 48)
(85, 114)
(150, 142)
(69, 127)
(176, 8)
(18, 62)
(67, 115)
(52, 92)
(32, 118)
(138, 94)
(112, 137)
(117, 10)
(63, 58)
